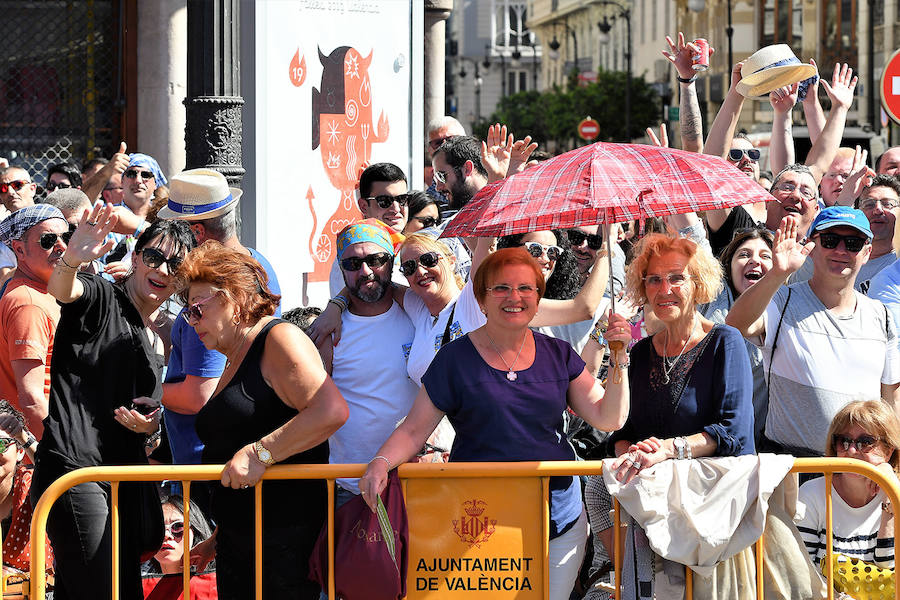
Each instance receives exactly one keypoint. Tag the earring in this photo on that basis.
(484, 312)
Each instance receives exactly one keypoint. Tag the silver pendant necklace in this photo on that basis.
(510, 374)
(669, 366)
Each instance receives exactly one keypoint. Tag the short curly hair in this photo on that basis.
(240, 277)
(705, 270)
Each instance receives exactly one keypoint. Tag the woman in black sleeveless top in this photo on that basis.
(274, 403)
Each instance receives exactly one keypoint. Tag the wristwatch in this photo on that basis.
(263, 454)
(679, 443)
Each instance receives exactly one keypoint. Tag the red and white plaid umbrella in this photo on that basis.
(605, 183)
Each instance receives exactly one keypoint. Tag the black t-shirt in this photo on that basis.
(737, 219)
(102, 359)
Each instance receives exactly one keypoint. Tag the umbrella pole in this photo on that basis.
(613, 346)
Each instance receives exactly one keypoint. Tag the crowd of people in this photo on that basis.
(135, 326)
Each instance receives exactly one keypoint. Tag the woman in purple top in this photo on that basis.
(505, 389)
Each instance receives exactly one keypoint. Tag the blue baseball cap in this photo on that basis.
(835, 216)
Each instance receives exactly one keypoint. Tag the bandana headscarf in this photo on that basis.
(370, 230)
(16, 224)
(145, 160)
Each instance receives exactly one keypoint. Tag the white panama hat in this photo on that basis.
(199, 194)
(770, 68)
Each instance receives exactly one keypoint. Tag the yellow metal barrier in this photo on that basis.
(543, 470)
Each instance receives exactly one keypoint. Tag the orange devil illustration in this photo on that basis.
(342, 127)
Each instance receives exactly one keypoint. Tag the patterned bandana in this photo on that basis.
(145, 160)
(16, 224)
(370, 230)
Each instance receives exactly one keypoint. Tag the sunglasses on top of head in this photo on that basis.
(374, 261)
(15, 185)
(132, 173)
(853, 243)
(153, 258)
(385, 200)
(429, 260)
(736, 154)
(536, 250)
(594, 240)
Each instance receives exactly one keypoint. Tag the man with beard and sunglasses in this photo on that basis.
(371, 377)
(824, 344)
(38, 235)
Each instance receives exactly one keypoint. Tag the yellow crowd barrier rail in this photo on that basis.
(541, 470)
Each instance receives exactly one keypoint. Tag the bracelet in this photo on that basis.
(62, 259)
(340, 301)
(140, 227)
(622, 365)
(30, 440)
(384, 458)
(341, 307)
(683, 80)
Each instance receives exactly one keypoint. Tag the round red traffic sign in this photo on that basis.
(890, 87)
(589, 129)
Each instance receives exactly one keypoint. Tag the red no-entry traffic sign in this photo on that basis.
(890, 87)
(589, 129)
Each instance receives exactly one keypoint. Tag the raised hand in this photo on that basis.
(89, 241)
(735, 76)
(783, 99)
(663, 140)
(682, 55)
(860, 177)
(842, 87)
(789, 253)
(519, 154)
(495, 153)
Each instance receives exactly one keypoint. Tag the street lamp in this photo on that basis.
(487, 65)
(477, 81)
(699, 6)
(605, 27)
(554, 43)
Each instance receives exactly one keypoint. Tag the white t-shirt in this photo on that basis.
(467, 317)
(854, 530)
(7, 257)
(370, 371)
(823, 362)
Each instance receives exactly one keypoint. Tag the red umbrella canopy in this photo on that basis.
(605, 183)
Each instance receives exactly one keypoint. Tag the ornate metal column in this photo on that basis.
(212, 132)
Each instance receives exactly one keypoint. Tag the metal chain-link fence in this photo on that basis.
(58, 78)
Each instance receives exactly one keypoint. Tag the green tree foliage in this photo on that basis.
(553, 115)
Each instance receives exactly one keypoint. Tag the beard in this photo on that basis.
(369, 294)
(460, 195)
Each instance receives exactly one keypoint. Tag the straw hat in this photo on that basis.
(199, 194)
(770, 68)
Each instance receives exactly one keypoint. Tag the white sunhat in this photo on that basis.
(199, 194)
(771, 68)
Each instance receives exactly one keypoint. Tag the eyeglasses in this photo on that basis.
(132, 173)
(355, 263)
(427, 221)
(193, 313)
(788, 188)
(153, 258)
(58, 185)
(537, 250)
(736, 154)
(436, 143)
(853, 243)
(48, 239)
(440, 176)
(15, 185)
(863, 443)
(385, 201)
(885, 204)
(576, 238)
(503, 290)
(676, 280)
(6, 443)
(428, 260)
(176, 529)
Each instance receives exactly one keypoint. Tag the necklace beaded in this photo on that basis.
(669, 364)
(510, 374)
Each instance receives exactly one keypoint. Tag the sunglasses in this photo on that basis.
(594, 240)
(153, 258)
(15, 185)
(427, 221)
(440, 176)
(193, 313)
(863, 443)
(428, 260)
(48, 240)
(676, 280)
(735, 154)
(537, 250)
(132, 173)
(853, 243)
(435, 144)
(504, 290)
(176, 529)
(6, 443)
(374, 261)
(58, 185)
(385, 201)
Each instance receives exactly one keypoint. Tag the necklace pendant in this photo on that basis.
(511, 375)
